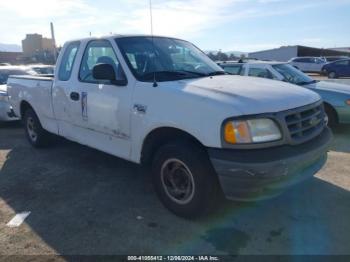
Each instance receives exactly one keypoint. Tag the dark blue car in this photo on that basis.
(340, 68)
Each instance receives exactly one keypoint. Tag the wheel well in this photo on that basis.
(161, 136)
(23, 107)
(334, 112)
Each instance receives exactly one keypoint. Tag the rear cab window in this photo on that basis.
(67, 62)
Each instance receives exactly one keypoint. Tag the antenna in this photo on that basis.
(153, 46)
(151, 16)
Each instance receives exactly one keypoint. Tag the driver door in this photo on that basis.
(103, 120)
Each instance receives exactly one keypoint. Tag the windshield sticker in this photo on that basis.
(84, 111)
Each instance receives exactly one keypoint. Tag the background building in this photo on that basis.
(12, 58)
(285, 53)
(37, 48)
(342, 49)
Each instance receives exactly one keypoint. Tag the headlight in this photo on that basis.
(251, 131)
(4, 97)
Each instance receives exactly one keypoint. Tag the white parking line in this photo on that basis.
(18, 219)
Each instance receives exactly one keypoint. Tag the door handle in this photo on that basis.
(74, 96)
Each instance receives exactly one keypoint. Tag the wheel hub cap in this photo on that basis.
(177, 181)
(31, 129)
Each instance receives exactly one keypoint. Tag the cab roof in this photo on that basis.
(114, 36)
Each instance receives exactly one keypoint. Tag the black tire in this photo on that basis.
(332, 116)
(205, 192)
(36, 135)
(332, 75)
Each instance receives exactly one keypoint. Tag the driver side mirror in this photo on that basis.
(106, 72)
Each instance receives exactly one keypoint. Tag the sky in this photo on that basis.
(227, 25)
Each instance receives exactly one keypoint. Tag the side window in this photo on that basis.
(342, 63)
(3, 78)
(304, 60)
(233, 70)
(260, 72)
(96, 52)
(67, 61)
(319, 61)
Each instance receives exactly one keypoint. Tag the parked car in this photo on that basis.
(6, 111)
(43, 69)
(308, 64)
(162, 102)
(330, 59)
(340, 68)
(336, 96)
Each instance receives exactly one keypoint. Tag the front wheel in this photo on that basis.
(36, 135)
(185, 180)
(332, 75)
(332, 116)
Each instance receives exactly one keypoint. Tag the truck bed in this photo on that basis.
(36, 91)
(33, 77)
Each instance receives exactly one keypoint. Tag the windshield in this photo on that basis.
(293, 75)
(4, 75)
(168, 59)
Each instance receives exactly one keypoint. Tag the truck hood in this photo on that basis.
(251, 95)
(330, 86)
(3, 88)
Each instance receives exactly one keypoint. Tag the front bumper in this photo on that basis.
(263, 173)
(6, 112)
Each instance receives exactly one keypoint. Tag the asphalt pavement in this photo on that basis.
(84, 202)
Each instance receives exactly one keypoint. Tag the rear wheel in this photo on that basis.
(185, 180)
(332, 75)
(36, 135)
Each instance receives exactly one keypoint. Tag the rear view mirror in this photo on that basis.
(106, 72)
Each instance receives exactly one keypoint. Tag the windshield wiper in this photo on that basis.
(177, 73)
(150, 75)
(204, 74)
(216, 73)
(306, 83)
(192, 72)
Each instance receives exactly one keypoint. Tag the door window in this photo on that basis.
(342, 63)
(67, 61)
(304, 60)
(96, 52)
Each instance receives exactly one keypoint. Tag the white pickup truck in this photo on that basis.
(161, 101)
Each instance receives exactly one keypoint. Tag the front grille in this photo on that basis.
(305, 123)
